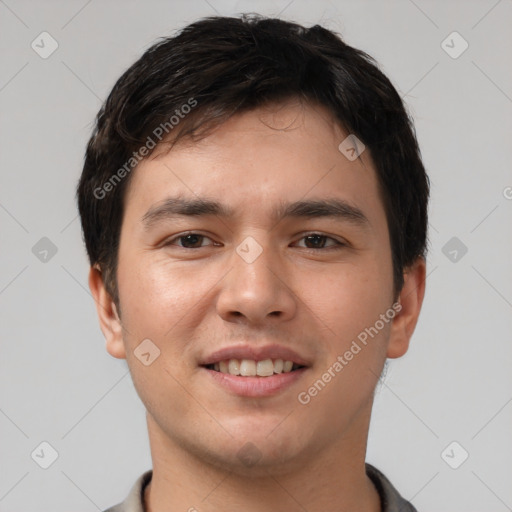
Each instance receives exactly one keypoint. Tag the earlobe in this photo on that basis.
(110, 322)
(410, 299)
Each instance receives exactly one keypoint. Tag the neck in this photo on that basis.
(333, 479)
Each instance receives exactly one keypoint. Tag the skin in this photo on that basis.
(192, 301)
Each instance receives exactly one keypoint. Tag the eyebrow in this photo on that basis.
(173, 207)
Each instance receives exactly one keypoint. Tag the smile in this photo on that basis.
(252, 368)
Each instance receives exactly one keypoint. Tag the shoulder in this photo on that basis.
(134, 502)
(390, 498)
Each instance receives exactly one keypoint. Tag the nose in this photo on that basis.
(256, 291)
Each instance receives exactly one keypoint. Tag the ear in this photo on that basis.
(410, 299)
(110, 322)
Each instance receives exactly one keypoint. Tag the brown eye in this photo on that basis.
(188, 241)
(318, 241)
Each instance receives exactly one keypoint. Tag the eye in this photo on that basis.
(189, 240)
(313, 241)
(317, 241)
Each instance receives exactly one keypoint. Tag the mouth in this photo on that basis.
(252, 368)
(249, 371)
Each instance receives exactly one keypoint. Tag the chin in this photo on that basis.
(259, 452)
(256, 461)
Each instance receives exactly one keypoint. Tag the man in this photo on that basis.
(254, 208)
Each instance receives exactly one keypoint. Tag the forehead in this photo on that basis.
(280, 152)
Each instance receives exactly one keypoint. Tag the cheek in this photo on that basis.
(355, 341)
(157, 304)
(154, 297)
(349, 299)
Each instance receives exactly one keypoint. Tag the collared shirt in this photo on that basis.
(390, 499)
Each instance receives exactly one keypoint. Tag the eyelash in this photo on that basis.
(338, 245)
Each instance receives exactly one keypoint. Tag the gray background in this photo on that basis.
(57, 382)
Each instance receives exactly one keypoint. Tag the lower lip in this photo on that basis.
(256, 386)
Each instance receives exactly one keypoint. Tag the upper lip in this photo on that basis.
(255, 353)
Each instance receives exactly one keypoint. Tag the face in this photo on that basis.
(259, 244)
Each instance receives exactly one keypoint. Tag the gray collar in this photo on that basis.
(390, 498)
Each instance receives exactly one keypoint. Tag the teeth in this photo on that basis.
(265, 368)
(247, 368)
(234, 367)
(250, 368)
